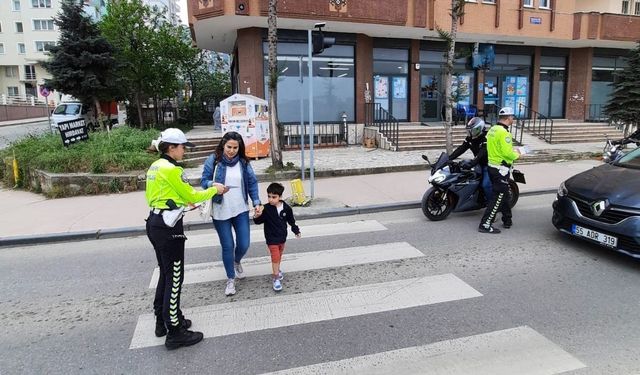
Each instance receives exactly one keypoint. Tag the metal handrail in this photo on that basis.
(387, 125)
(535, 122)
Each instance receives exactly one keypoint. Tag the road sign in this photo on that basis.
(44, 91)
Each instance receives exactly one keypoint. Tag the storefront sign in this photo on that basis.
(535, 20)
(73, 131)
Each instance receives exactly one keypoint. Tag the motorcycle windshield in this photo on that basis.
(442, 161)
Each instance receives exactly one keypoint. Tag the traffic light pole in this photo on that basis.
(311, 128)
(302, 130)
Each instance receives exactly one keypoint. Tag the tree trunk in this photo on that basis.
(139, 107)
(276, 152)
(99, 117)
(456, 13)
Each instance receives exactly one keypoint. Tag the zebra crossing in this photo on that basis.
(519, 350)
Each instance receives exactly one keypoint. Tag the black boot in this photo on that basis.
(161, 329)
(182, 337)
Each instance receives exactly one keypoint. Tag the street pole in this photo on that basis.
(301, 118)
(311, 128)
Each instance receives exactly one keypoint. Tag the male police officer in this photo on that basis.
(501, 156)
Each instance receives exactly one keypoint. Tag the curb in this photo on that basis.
(195, 225)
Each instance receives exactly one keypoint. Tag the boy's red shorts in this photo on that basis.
(276, 252)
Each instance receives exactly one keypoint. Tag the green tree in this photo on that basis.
(457, 11)
(624, 103)
(82, 63)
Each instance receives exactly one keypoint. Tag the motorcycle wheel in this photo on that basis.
(434, 207)
(514, 193)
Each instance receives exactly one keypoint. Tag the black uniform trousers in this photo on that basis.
(500, 202)
(168, 244)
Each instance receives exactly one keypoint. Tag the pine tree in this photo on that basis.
(624, 103)
(82, 62)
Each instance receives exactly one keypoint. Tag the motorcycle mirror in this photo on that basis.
(426, 158)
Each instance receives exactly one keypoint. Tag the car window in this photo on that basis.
(67, 109)
(630, 160)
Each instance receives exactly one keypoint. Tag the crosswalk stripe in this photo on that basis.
(212, 271)
(284, 310)
(316, 230)
(519, 350)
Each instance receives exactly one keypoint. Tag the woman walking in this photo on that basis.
(229, 165)
(168, 194)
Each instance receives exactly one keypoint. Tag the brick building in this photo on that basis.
(554, 56)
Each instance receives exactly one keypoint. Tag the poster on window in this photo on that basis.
(381, 87)
(399, 87)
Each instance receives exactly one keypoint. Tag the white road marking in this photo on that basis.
(212, 271)
(286, 310)
(520, 350)
(257, 235)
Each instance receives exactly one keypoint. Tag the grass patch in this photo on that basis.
(124, 149)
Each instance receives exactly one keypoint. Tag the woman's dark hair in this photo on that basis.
(231, 136)
(163, 147)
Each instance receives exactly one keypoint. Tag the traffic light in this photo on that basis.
(320, 42)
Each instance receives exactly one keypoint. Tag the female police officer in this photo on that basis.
(168, 193)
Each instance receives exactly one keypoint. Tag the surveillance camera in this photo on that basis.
(320, 24)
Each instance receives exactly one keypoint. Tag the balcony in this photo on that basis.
(29, 76)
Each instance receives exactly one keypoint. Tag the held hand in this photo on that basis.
(298, 235)
(220, 187)
(259, 209)
(257, 214)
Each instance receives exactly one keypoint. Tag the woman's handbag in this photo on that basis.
(206, 210)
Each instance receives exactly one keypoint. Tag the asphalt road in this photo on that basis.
(73, 308)
(9, 134)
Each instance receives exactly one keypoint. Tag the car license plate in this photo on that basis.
(604, 239)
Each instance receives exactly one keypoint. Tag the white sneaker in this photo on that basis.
(231, 287)
(277, 285)
(239, 271)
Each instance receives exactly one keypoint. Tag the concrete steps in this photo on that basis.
(204, 148)
(427, 137)
(582, 132)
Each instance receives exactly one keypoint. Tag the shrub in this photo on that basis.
(124, 149)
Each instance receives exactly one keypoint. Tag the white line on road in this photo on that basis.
(213, 271)
(257, 235)
(520, 350)
(286, 310)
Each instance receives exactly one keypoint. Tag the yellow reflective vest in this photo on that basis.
(499, 146)
(166, 180)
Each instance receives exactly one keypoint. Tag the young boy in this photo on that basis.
(275, 217)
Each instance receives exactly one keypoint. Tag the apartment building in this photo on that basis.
(556, 57)
(26, 33)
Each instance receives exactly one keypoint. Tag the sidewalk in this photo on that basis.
(352, 184)
(31, 218)
(23, 121)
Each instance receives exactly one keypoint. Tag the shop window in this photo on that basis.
(333, 82)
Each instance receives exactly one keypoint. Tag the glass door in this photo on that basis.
(430, 99)
(391, 93)
(551, 98)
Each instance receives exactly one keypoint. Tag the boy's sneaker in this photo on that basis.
(239, 271)
(231, 288)
(280, 275)
(277, 285)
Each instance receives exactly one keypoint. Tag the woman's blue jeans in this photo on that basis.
(233, 252)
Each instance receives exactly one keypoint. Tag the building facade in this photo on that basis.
(557, 57)
(26, 33)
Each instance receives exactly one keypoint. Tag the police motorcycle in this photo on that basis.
(456, 188)
(613, 148)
